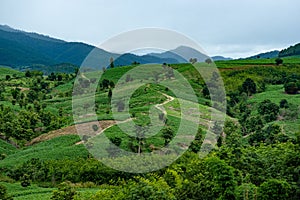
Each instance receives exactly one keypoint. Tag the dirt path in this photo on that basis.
(88, 127)
(159, 106)
(71, 130)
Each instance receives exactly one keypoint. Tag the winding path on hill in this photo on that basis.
(104, 125)
(159, 106)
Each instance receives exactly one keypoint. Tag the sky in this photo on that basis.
(231, 28)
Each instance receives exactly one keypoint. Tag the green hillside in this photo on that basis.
(62, 147)
(290, 51)
(257, 151)
(9, 71)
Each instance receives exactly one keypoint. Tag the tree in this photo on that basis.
(208, 61)
(111, 84)
(28, 74)
(15, 93)
(246, 191)
(154, 188)
(113, 148)
(64, 192)
(193, 60)
(197, 142)
(283, 103)
(167, 134)
(111, 61)
(252, 124)
(128, 78)
(116, 140)
(278, 61)
(249, 87)
(105, 84)
(205, 92)
(274, 189)
(291, 87)
(25, 180)
(268, 110)
(59, 77)
(140, 137)
(120, 106)
(7, 77)
(211, 178)
(109, 95)
(31, 96)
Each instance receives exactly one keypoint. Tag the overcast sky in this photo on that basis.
(234, 28)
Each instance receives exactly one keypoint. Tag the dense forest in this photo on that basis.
(257, 155)
(290, 51)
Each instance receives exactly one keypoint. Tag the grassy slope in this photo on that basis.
(276, 93)
(8, 71)
(252, 62)
(6, 148)
(63, 147)
(34, 192)
(56, 148)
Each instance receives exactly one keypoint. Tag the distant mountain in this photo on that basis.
(270, 54)
(182, 54)
(290, 51)
(216, 58)
(188, 52)
(128, 59)
(169, 54)
(33, 35)
(19, 49)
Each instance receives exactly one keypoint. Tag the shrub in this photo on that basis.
(65, 191)
(3, 193)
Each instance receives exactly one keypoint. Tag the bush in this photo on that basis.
(268, 110)
(25, 181)
(3, 193)
(283, 103)
(278, 61)
(246, 191)
(274, 189)
(291, 88)
(65, 191)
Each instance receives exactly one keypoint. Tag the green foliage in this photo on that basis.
(283, 103)
(153, 188)
(210, 179)
(234, 170)
(278, 61)
(268, 110)
(274, 189)
(57, 148)
(291, 51)
(64, 192)
(291, 88)
(246, 191)
(3, 193)
(167, 134)
(249, 87)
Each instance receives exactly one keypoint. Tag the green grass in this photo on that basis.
(34, 192)
(249, 62)
(62, 147)
(9, 71)
(275, 93)
(6, 148)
